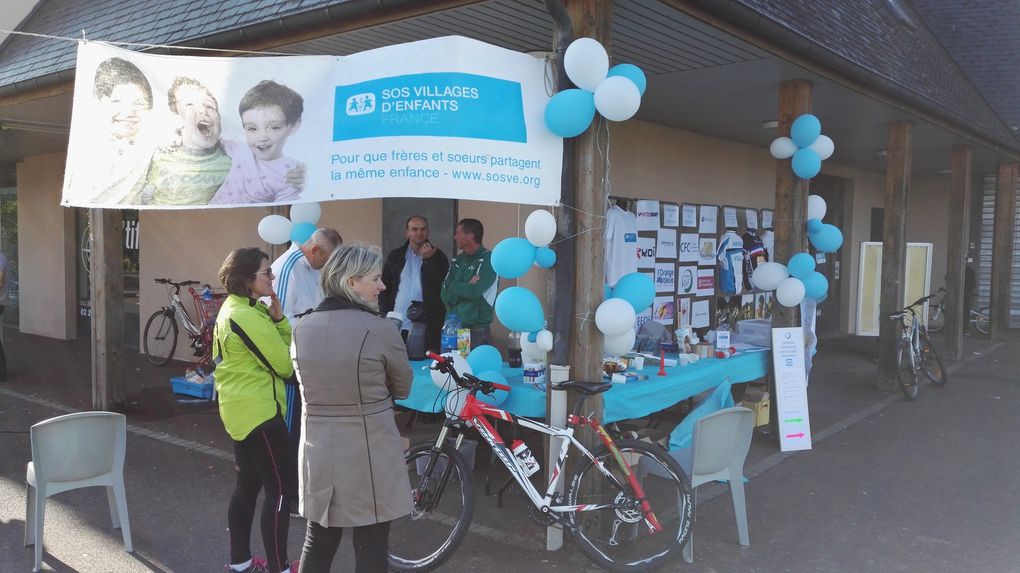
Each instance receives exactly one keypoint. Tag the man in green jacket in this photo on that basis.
(466, 290)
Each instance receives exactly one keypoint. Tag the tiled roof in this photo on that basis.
(141, 21)
(870, 34)
(983, 36)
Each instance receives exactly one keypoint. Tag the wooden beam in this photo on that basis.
(107, 268)
(956, 305)
(894, 246)
(791, 193)
(1002, 249)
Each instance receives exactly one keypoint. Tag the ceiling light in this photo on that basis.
(770, 124)
(36, 126)
(882, 153)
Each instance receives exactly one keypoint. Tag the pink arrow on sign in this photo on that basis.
(797, 435)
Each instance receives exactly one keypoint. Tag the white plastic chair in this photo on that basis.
(79, 450)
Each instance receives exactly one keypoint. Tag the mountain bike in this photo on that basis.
(979, 319)
(627, 506)
(159, 339)
(915, 352)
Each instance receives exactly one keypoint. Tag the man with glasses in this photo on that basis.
(295, 276)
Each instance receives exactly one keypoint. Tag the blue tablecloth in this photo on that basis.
(622, 401)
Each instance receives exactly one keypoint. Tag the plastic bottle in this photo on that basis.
(448, 338)
(524, 456)
(207, 294)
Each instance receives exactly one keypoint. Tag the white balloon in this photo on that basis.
(816, 207)
(544, 340)
(305, 213)
(767, 276)
(615, 316)
(445, 381)
(621, 344)
(823, 146)
(275, 229)
(790, 292)
(782, 148)
(530, 351)
(617, 98)
(586, 63)
(540, 228)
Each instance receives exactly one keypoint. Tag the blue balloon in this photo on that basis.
(632, 73)
(519, 310)
(607, 292)
(512, 257)
(801, 265)
(827, 240)
(301, 232)
(637, 289)
(498, 396)
(570, 112)
(806, 163)
(814, 225)
(545, 257)
(805, 130)
(815, 285)
(485, 357)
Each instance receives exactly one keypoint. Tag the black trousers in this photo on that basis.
(371, 548)
(261, 460)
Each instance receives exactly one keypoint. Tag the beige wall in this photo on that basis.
(46, 250)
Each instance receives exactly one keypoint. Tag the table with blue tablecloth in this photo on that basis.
(623, 401)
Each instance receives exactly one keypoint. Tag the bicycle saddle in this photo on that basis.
(897, 315)
(586, 388)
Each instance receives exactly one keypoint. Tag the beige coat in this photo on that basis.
(351, 365)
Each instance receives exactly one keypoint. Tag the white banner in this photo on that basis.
(447, 117)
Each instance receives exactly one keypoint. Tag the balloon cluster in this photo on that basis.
(615, 92)
(517, 307)
(277, 229)
(806, 145)
(798, 279)
(616, 317)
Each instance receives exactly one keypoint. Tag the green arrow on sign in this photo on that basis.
(795, 420)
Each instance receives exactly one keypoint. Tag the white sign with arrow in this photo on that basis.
(791, 389)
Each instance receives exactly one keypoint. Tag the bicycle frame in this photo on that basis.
(177, 308)
(475, 411)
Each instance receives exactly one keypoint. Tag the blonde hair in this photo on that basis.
(349, 261)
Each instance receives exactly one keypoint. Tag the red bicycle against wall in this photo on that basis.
(627, 506)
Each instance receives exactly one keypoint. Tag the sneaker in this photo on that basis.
(258, 565)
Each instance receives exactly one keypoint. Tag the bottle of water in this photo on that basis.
(207, 293)
(524, 456)
(448, 338)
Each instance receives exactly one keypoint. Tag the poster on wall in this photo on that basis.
(665, 277)
(730, 217)
(747, 307)
(664, 310)
(647, 215)
(706, 251)
(708, 222)
(752, 218)
(687, 280)
(699, 314)
(684, 312)
(643, 317)
(690, 215)
(446, 117)
(665, 245)
(687, 248)
(670, 215)
(706, 282)
(766, 218)
(646, 252)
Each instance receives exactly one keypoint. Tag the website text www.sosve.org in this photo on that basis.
(377, 171)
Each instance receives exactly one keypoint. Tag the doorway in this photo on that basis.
(130, 286)
(830, 311)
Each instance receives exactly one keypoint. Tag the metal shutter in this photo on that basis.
(984, 274)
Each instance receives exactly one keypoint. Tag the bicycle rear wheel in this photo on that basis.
(931, 363)
(159, 341)
(444, 503)
(618, 538)
(982, 319)
(936, 318)
(906, 374)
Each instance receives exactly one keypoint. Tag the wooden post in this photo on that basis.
(956, 305)
(790, 219)
(107, 269)
(894, 246)
(1002, 249)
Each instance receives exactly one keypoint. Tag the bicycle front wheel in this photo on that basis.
(981, 320)
(159, 341)
(936, 318)
(618, 537)
(444, 503)
(906, 374)
(931, 363)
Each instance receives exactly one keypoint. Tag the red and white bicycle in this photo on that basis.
(627, 506)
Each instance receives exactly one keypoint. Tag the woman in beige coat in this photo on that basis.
(351, 364)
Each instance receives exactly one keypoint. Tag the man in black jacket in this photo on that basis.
(415, 272)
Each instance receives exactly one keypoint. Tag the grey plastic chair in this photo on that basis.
(79, 450)
(718, 450)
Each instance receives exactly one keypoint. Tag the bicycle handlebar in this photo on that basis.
(172, 283)
(466, 381)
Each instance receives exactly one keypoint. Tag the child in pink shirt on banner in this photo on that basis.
(270, 113)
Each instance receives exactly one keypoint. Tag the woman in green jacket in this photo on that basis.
(253, 343)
